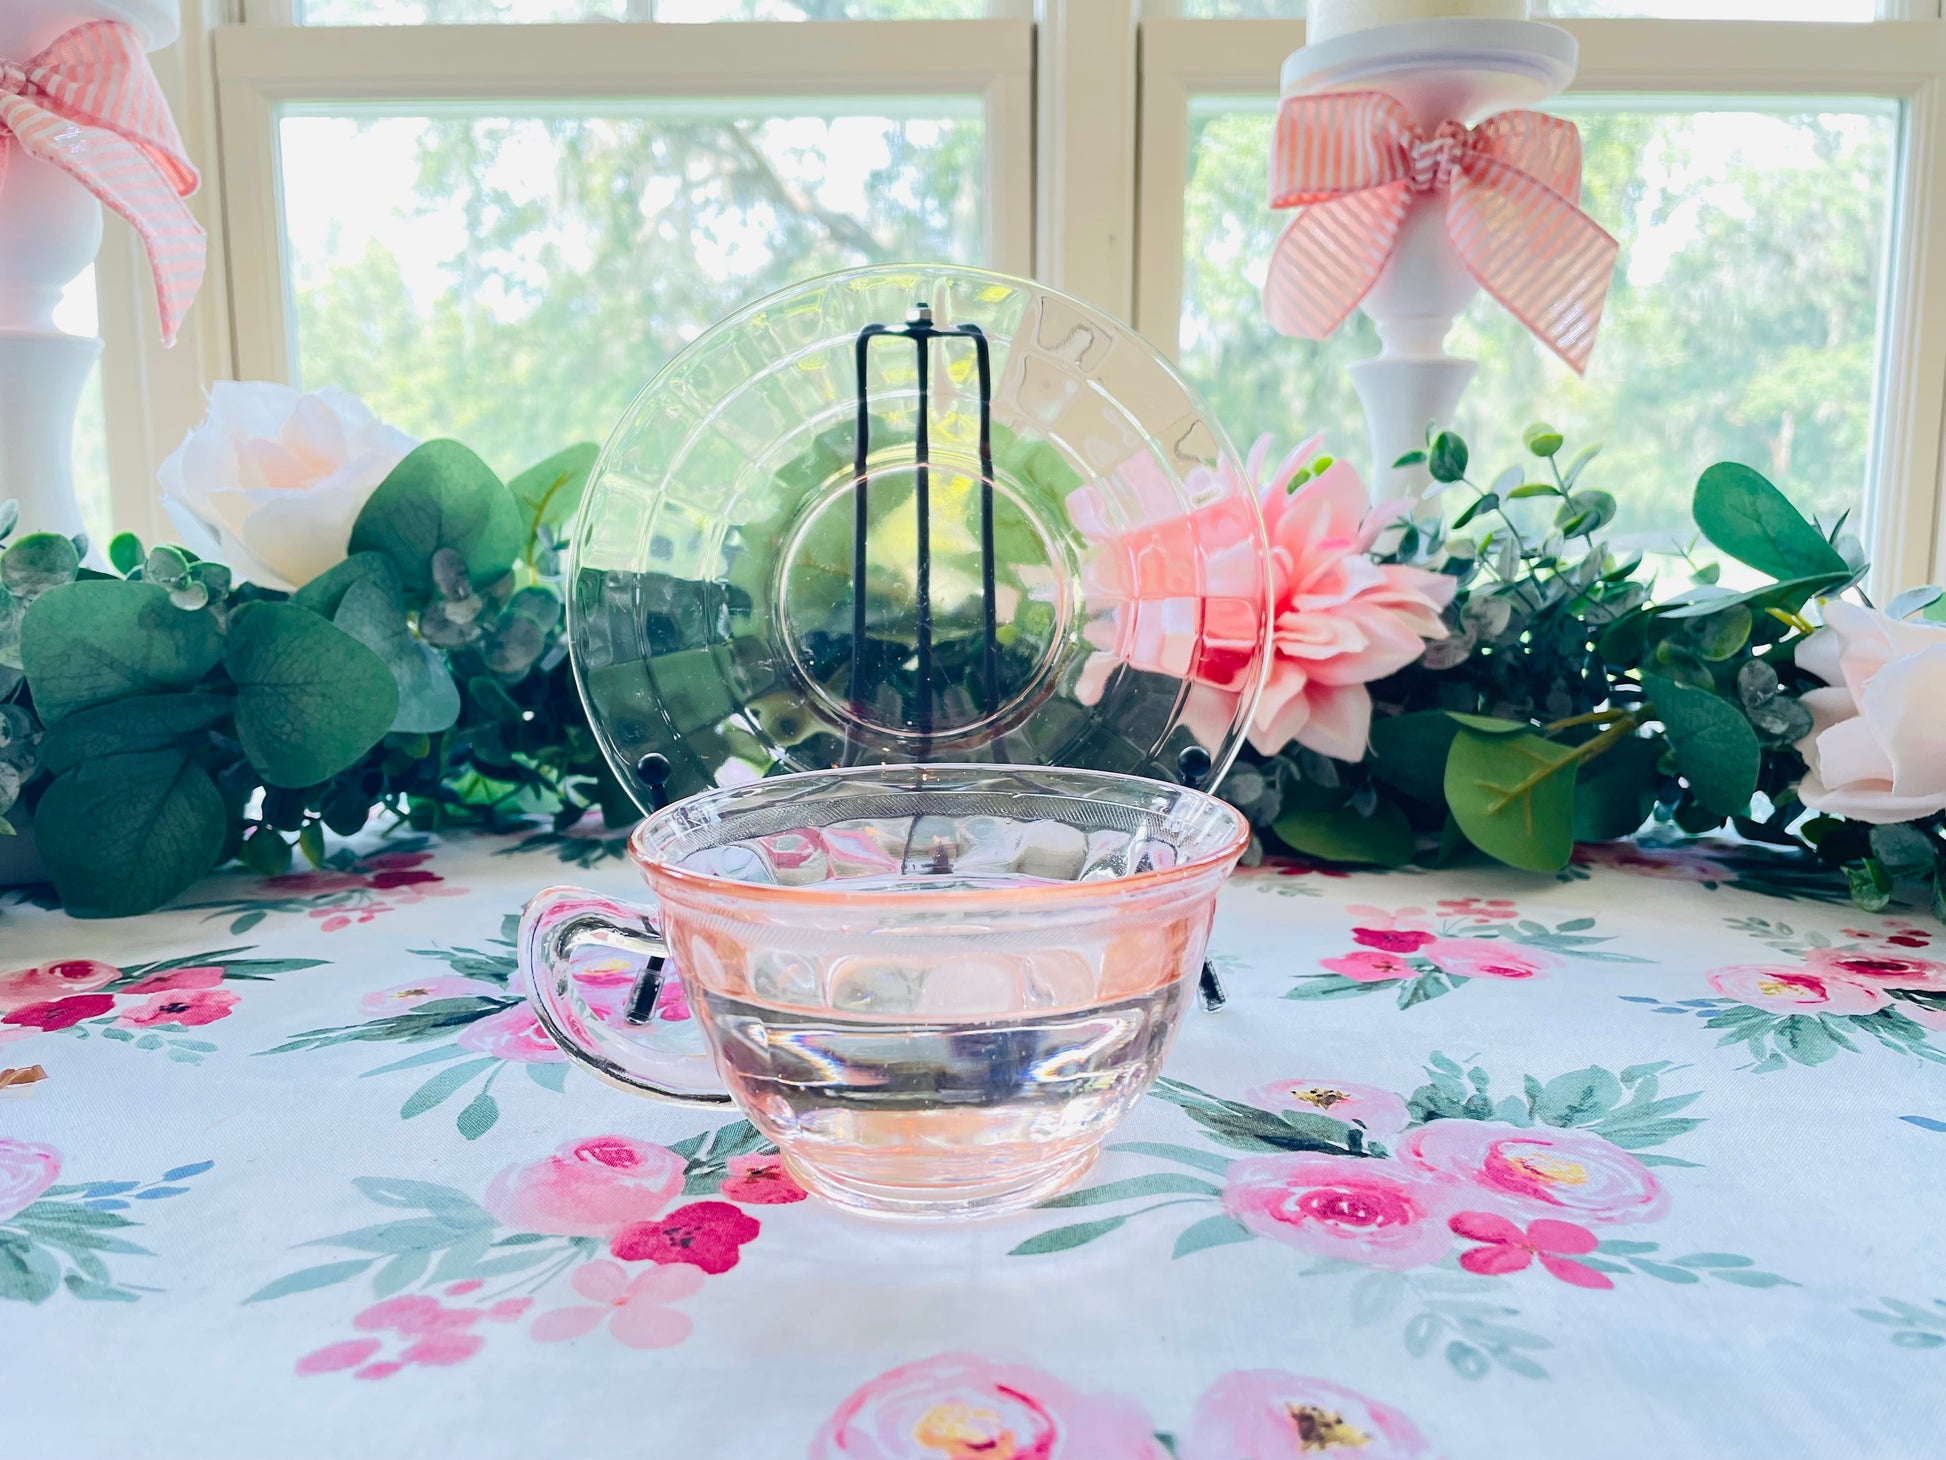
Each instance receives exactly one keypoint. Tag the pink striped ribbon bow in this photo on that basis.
(1352, 162)
(90, 104)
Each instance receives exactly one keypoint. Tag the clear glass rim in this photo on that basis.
(660, 872)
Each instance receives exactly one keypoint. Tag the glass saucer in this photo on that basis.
(713, 615)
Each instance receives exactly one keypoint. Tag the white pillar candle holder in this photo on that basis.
(1460, 69)
(50, 231)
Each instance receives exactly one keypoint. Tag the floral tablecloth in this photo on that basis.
(1646, 1160)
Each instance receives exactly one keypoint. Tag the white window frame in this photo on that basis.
(1086, 107)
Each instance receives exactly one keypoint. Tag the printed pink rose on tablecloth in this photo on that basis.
(1509, 1249)
(705, 1234)
(1671, 864)
(1380, 1112)
(1392, 940)
(512, 1034)
(204, 977)
(590, 1188)
(1379, 1213)
(187, 1007)
(636, 1307)
(761, 1181)
(1265, 1414)
(1798, 990)
(401, 997)
(61, 1013)
(965, 1407)
(26, 1170)
(1486, 958)
(1886, 970)
(52, 981)
(1368, 965)
(1540, 1170)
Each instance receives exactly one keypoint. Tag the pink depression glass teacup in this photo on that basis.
(935, 987)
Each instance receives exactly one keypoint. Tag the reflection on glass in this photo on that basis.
(1742, 323)
(486, 12)
(514, 281)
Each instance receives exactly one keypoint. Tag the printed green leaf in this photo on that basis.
(443, 1085)
(424, 1057)
(125, 833)
(1716, 750)
(1739, 511)
(441, 496)
(85, 643)
(1060, 1239)
(309, 1278)
(1382, 839)
(311, 699)
(1513, 796)
(1210, 1232)
(1665, 1271)
(479, 1117)
(1161, 1183)
(1203, 1160)
(140, 722)
(400, 1273)
(452, 1207)
(1578, 1097)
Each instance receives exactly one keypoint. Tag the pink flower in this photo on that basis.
(1369, 966)
(1264, 1414)
(588, 1188)
(61, 1013)
(636, 1308)
(53, 980)
(1556, 1170)
(1887, 970)
(1375, 1212)
(512, 1034)
(1877, 747)
(207, 977)
(441, 1349)
(335, 1357)
(1392, 940)
(306, 884)
(401, 997)
(761, 1181)
(26, 1170)
(1793, 990)
(415, 1315)
(1509, 1249)
(1380, 1112)
(965, 1407)
(1671, 864)
(187, 1007)
(705, 1234)
(1339, 619)
(1484, 958)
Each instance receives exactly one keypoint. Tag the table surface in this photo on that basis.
(1646, 1159)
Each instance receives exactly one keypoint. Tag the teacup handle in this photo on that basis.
(559, 924)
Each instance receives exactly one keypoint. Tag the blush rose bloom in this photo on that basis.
(1379, 1112)
(1540, 1171)
(1485, 958)
(1796, 990)
(590, 1188)
(272, 481)
(1887, 970)
(1877, 747)
(1266, 1414)
(960, 1406)
(52, 981)
(1375, 1212)
(26, 1170)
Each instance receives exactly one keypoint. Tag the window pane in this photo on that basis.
(1742, 323)
(1845, 10)
(480, 12)
(513, 281)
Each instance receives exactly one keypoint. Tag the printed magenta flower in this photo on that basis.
(1796, 990)
(187, 1007)
(636, 1308)
(26, 1170)
(1572, 1171)
(51, 981)
(1360, 1210)
(1887, 970)
(965, 1407)
(1368, 965)
(1485, 958)
(1509, 1249)
(1392, 940)
(705, 1234)
(512, 1034)
(1380, 1112)
(204, 977)
(761, 1181)
(590, 1188)
(61, 1013)
(1265, 1414)
(401, 997)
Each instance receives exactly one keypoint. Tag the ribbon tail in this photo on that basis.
(1329, 258)
(1546, 262)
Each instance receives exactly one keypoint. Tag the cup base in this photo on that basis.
(944, 1203)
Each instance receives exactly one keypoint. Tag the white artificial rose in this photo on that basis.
(1877, 747)
(272, 481)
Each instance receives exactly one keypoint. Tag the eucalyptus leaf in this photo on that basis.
(138, 723)
(324, 593)
(1615, 792)
(311, 699)
(38, 562)
(372, 613)
(1722, 635)
(1716, 750)
(1904, 849)
(122, 834)
(1914, 600)
(84, 643)
(1409, 752)
(549, 493)
(125, 552)
(1383, 838)
(1739, 511)
(1513, 797)
(441, 496)
(1447, 459)
(1541, 439)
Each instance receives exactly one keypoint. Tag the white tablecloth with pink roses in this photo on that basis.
(1649, 1159)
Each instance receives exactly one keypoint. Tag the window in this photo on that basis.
(496, 218)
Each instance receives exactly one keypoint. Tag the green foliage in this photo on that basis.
(86, 643)
(441, 496)
(127, 832)
(1513, 796)
(1747, 517)
(310, 698)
